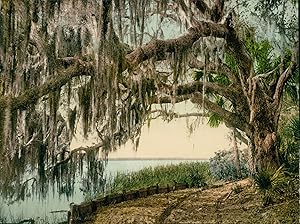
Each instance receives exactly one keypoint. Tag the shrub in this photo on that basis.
(223, 167)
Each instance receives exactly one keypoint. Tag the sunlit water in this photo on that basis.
(47, 208)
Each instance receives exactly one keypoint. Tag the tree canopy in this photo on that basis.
(95, 66)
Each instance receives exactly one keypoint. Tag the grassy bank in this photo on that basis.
(195, 174)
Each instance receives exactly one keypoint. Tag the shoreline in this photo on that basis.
(139, 159)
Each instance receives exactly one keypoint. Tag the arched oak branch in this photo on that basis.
(158, 48)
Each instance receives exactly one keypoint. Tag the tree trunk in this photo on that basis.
(236, 154)
(252, 157)
(266, 149)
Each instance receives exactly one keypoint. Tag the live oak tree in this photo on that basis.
(98, 67)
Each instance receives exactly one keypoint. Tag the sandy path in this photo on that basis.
(224, 204)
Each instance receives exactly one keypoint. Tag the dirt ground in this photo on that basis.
(230, 203)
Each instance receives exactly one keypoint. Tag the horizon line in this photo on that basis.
(158, 158)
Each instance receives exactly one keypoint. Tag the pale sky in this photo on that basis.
(172, 139)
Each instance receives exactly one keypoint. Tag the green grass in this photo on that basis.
(195, 174)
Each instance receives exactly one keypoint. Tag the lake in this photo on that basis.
(54, 206)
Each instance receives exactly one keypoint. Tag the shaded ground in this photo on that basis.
(230, 203)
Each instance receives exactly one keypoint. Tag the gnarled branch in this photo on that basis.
(282, 80)
(158, 48)
(31, 96)
(176, 115)
(169, 99)
(196, 86)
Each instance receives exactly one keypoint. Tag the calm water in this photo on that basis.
(40, 208)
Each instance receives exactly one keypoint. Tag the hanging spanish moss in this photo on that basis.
(2, 119)
(85, 97)
(66, 64)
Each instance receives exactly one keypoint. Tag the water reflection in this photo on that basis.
(27, 182)
(46, 197)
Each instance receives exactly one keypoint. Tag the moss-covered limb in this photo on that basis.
(170, 115)
(31, 96)
(231, 119)
(158, 48)
(197, 86)
(169, 99)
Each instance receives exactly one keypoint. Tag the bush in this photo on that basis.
(223, 167)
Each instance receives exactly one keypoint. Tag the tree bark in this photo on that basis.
(266, 149)
(236, 153)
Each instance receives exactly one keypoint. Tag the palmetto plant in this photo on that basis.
(267, 181)
(289, 145)
(277, 185)
(268, 178)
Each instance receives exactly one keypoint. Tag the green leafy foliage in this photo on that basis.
(261, 52)
(276, 184)
(264, 181)
(291, 88)
(289, 145)
(263, 56)
(215, 119)
(198, 74)
(221, 79)
(230, 62)
(222, 165)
